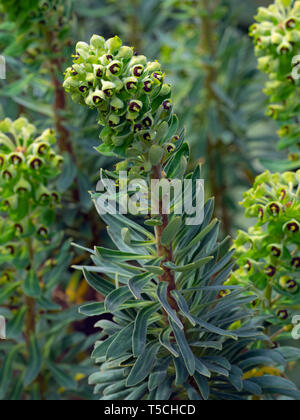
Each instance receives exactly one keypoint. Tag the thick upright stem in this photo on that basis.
(165, 251)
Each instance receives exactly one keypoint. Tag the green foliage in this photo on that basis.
(187, 341)
(36, 333)
(268, 254)
(277, 42)
(37, 28)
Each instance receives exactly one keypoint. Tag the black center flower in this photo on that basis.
(138, 71)
(131, 86)
(248, 266)
(282, 194)
(83, 89)
(276, 251)
(274, 208)
(36, 163)
(134, 106)
(1, 161)
(42, 231)
(97, 100)
(283, 314)
(270, 271)
(109, 57)
(167, 105)
(109, 92)
(296, 262)
(291, 23)
(292, 285)
(147, 122)
(19, 228)
(261, 213)
(99, 73)
(115, 69)
(137, 128)
(16, 160)
(74, 72)
(148, 86)
(147, 137)
(11, 249)
(7, 175)
(293, 227)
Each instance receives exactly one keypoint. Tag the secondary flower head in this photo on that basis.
(269, 253)
(276, 35)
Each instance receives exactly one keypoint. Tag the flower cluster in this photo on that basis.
(27, 164)
(269, 253)
(41, 26)
(277, 44)
(131, 97)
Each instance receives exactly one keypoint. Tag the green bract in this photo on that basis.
(30, 270)
(269, 253)
(277, 39)
(177, 332)
(37, 27)
(27, 164)
(130, 95)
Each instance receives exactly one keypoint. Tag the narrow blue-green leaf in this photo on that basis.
(203, 385)
(143, 365)
(183, 306)
(185, 350)
(6, 371)
(60, 375)
(164, 339)
(140, 329)
(189, 267)
(162, 297)
(93, 309)
(137, 283)
(31, 285)
(121, 344)
(35, 361)
(99, 284)
(15, 325)
(115, 299)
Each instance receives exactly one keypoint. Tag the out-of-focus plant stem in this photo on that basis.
(215, 148)
(134, 33)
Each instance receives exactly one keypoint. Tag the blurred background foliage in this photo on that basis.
(209, 58)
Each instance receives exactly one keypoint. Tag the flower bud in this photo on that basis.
(153, 66)
(108, 88)
(43, 195)
(276, 38)
(125, 53)
(116, 104)
(165, 90)
(22, 186)
(284, 48)
(113, 120)
(97, 42)
(138, 60)
(9, 173)
(113, 44)
(83, 50)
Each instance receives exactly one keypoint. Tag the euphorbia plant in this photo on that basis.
(175, 334)
(277, 44)
(37, 357)
(269, 253)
